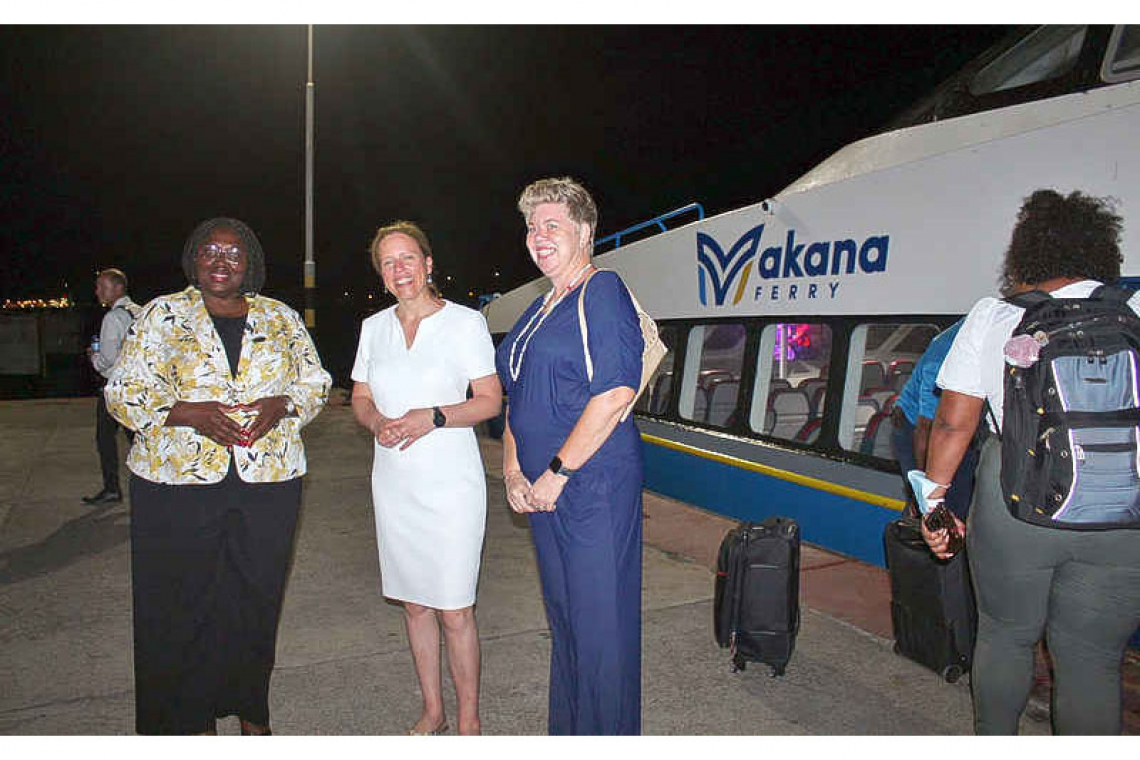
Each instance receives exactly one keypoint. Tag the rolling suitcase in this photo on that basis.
(932, 602)
(756, 608)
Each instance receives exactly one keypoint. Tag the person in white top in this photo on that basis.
(414, 364)
(1080, 588)
(111, 290)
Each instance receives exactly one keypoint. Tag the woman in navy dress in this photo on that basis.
(574, 466)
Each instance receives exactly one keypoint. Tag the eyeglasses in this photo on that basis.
(212, 252)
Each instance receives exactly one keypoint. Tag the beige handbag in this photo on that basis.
(652, 354)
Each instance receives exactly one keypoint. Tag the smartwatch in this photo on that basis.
(437, 417)
(556, 467)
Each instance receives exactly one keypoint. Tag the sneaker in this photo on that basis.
(103, 497)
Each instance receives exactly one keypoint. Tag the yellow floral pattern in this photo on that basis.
(173, 353)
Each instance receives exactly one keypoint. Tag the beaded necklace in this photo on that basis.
(515, 363)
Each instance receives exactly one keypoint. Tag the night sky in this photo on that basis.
(116, 140)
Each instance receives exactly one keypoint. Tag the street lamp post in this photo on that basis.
(310, 264)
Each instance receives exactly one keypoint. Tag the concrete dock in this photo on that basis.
(343, 666)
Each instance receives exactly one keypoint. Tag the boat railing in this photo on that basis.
(659, 221)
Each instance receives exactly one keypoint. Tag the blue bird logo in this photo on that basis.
(721, 270)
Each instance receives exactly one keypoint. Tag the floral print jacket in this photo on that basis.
(173, 353)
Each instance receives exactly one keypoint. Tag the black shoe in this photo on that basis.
(103, 497)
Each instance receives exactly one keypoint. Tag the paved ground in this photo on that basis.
(343, 667)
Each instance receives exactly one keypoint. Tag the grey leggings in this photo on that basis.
(1081, 587)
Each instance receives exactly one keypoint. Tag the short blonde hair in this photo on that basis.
(114, 275)
(412, 230)
(566, 191)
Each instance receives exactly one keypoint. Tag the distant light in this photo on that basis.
(449, 278)
(38, 303)
(471, 293)
(369, 296)
(496, 273)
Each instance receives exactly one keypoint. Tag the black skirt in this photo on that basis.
(208, 571)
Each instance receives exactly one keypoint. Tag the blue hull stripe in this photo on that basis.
(836, 522)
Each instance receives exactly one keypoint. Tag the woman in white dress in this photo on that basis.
(413, 366)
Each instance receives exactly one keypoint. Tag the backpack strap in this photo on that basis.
(133, 313)
(993, 419)
(1122, 418)
(1112, 293)
(1029, 298)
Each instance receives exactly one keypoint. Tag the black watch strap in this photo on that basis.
(556, 467)
(438, 417)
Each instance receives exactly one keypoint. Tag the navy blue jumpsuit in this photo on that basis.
(589, 547)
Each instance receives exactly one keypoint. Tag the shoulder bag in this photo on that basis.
(651, 355)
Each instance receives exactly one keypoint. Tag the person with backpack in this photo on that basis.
(1051, 536)
(111, 290)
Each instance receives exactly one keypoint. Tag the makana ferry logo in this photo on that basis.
(730, 273)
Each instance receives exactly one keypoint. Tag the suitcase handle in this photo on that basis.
(734, 620)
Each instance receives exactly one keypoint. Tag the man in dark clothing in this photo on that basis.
(111, 290)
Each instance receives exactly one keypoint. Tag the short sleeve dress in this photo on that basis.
(430, 499)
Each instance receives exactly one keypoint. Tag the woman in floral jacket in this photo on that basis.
(217, 382)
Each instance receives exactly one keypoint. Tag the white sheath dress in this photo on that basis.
(431, 499)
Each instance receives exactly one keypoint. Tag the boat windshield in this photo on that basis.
(1047, 53)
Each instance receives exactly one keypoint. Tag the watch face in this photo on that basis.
(438, 418)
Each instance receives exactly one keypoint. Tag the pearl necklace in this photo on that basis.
(515, 363)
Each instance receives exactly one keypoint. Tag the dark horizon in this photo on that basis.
(119, 139)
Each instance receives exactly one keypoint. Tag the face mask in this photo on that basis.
(923, 487)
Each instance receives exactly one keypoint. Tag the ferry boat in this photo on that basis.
(793, 322)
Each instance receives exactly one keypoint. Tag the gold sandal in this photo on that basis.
(437, 731)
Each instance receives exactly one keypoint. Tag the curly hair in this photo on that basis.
(1076, 235)
(416, 233)
(254, 279)
(579, 204)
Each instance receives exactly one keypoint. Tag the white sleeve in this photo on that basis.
(363, 354)
(112, 332)
(476, 349)
(962, 369)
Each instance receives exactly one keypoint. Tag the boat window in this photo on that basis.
(1049, 52)
(791, 381)
(1122, 62)
(711, 380)
(880, 361)
(659, 391)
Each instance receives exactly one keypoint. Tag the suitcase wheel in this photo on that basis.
(952, 673)
(738, 663)
(896, 648)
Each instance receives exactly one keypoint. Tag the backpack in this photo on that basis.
(1072, 412)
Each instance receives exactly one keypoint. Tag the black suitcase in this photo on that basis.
(756, 609)
(932, 602)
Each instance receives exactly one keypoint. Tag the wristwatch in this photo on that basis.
(437, 417)
(290, 407)
(556, 467)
